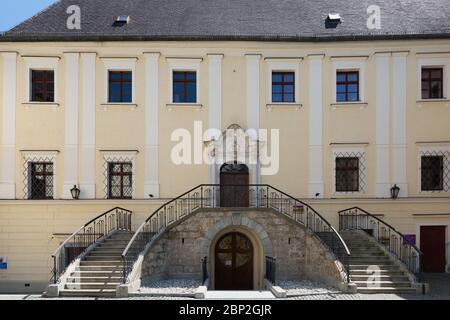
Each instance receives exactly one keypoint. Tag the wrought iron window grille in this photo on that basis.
(435, 171)
(119, 177)
(39, 177)
(344, 180)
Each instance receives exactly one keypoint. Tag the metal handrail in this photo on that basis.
(208, 196)
(102, 225)
(410, 256)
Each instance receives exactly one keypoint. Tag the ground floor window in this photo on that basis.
(120, 180)
(435, 170)
(347, 174)
(349, 171)
(40, 180)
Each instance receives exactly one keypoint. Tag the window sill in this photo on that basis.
(30, 104)
(361, 104)
(131, 105)
(295, 106)
(426, 101)
(195, 106)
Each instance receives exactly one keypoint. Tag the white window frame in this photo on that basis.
(283, 66)
(41, 63)
(349, 65)
(361, 153)
(434, 150)
(119, 64)
(443, 63)
(119, 156)
(41, 156)
(187, 64)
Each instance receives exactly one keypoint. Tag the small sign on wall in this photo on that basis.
(3, 263)
(409, 239)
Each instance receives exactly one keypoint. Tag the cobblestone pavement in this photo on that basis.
(439, 290)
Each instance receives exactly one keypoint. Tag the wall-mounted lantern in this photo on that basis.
(75, 192)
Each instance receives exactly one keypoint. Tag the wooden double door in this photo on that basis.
(234, 262)
(234, 186)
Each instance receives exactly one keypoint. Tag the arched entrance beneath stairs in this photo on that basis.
(234, 181)
(234, 262)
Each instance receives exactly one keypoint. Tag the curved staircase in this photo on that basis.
(207, 196)
(382, 260)
(89, 263)
(384, 277)
(100, 271)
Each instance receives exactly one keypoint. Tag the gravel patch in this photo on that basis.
(172, 286)
(306, 287)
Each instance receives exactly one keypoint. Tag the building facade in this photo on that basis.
(354, 118)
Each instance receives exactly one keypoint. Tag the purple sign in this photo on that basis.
(409, 239)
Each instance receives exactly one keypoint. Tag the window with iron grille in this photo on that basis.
(42, 86)
(40, 180)
(184, 87)
(347, 86)
(283, 86)
(432, 83)
(120, 87)
(432, 173)
(347, 174)
(120, 184)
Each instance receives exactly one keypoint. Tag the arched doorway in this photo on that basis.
(234, 262)
(234, 181)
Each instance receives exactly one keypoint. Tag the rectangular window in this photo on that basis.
(42, 86)
(120, 87)
(283, 86)
(432, 173)
(184, 87)
(432, 83)
(347, 86)
(120, 180)
(41, 180)
(347, 174)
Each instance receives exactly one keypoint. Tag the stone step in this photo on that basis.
(362, 277)
(386, 290)
(106, 268)
(96, 279)
(98, 286)
(390, 284)
(363, 266)
(105, 254)
(111, 246)
(361, 253)
(103, 258)
(88, 293)
(95, 274)
(117, 262)
(372, 262)
(382, 272)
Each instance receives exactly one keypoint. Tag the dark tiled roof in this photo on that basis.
(288, 20)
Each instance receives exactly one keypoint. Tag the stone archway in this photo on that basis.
(238, 219)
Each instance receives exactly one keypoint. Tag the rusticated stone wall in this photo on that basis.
(299, 255)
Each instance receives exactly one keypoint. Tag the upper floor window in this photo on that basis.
(347, 174)
(184, 87)
(120, 87)
(347, 86)
(42, 86)
(120, 184)
(432, 83)
(283, 86)
(40, 180)
(432, 173)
